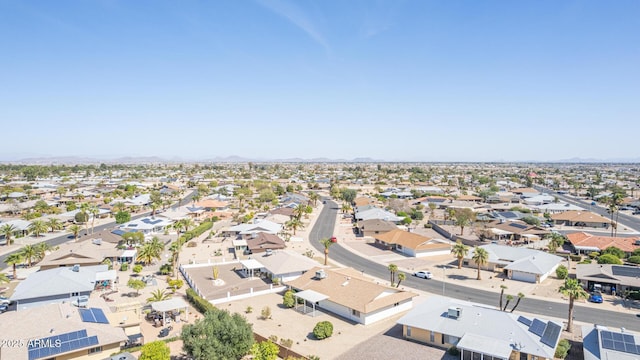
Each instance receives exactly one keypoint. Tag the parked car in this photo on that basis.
(334, 239)
(4, 300)
(636, 212)
(423, 274)
(595, 297)
(3, 308)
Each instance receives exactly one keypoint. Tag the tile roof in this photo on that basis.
(586, 240)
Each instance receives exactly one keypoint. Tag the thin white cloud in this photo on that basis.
(297, 17)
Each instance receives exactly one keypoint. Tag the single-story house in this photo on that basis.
(213, 205)
(147, 225)
(245, 230)
(83, 253)
(513, 230)
(61, 331)
(479, 332)
(555, 208)
(584, 242)
(260, 242)
(608, 276)
(348, 294)
(63, 284)
(374, 227)
(285, 265)
(581, 219)
(602, 343)
(413, 244)
(518, 263)
(526, 192)
(361, 201)
(377, 213)
(286, 211)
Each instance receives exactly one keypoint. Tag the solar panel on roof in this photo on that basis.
(98, 314)
(87, 315)
(619, 342)
(607, 344)
(524, 320)
(519, 226)
(118, 232)
(537, 327)
(625, 271)
(628, 338)
(53, 345)
(551, 334)
(618, 346)
(617, 337)
(606, 335)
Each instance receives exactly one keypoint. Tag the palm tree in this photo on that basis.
(38, 227)
(327, 244)
(14, 259)
(480, 257)
(94, 211)
(179, 226)
(157, 246)
(29, 252)
(556, 241)
(175, 253)
(520, 297)
(187, 223)
(460, 250)
(313, 196)
(573, 290)
(502, 289)
(8, 230)
(119, 206)
(158, 295)
(299, 211)
(294, 224)
(401, 277)
(616, 200)
(41, 250)
(145, 255)
(75, 230)
(509, 298)
(432, 208)
(54, 224)
(393, 269)
(84, 208)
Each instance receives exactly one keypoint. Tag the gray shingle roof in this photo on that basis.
(58, 281)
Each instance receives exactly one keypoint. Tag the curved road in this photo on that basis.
(324, 227)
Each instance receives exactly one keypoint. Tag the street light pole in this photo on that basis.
(444, 278)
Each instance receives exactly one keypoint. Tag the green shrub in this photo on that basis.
(585, 261)
(453, 351)
(137, 268)
(634, 259)
(198, 302)
(124, 266)
(594, 254)
(288, 300)
(427, 226)
(323, 330)
(575, 257)
(609, 259)
(563, 349)
(165, 269)
(562, 272)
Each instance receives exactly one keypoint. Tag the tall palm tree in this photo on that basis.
(38, 227)
(75, 230)
(54, 224)
(84, 208)
(573, 290)
(157, 246)
(480, 257)
(175, 254)
(327, 244)
(520, 297)
(401, 277)
(29, 252)
(8, 230)
(393, 269)
(179, 226)
(14, 259)
(94, 211)
(187, 223)
(460, 250)
(299, 211)
(557, 240)
(509, 298)
(145, 255)
(346, 208)
(502, 289)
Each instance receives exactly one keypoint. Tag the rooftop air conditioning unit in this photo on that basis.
(76, 268)
(320, 274)
(454, 312)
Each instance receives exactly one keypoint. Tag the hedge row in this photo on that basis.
(198, 302)
(194, 233)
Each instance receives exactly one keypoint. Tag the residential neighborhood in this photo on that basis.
(138, 261)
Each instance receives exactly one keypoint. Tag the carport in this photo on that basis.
(166, 306)
(311, 296)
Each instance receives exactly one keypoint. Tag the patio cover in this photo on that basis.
(129, 254)
(239, 242)
(106, 275)
(251, 264)
(485, 345)
(311, 296)
(500, 232)
(169, 305)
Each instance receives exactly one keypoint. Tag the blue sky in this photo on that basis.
(391, 80)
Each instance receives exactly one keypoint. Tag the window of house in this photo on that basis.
(355, 312)
(75, 294)
(408, 331)
(524, 356)
(96, 349)
(432, 336)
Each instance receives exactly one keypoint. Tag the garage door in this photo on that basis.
(521, 276)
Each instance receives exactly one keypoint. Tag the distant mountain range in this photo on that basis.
(130, 160)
